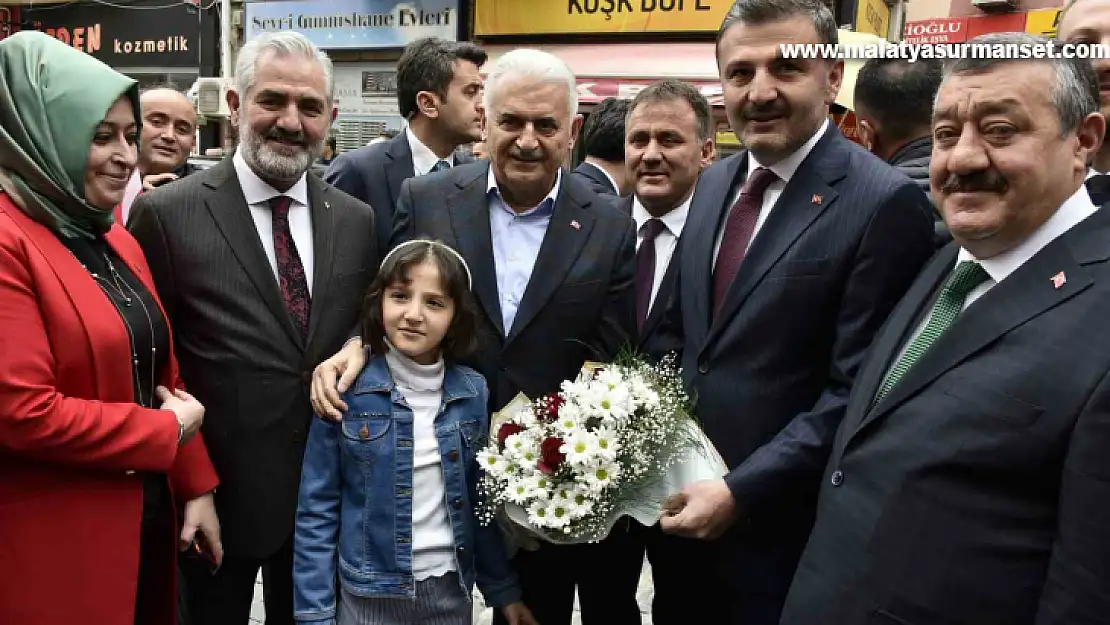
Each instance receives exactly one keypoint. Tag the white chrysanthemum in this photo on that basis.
(518, 491)
(539, 486)
(570, 418)
(580, 447)
(558, 514)
(600, 476)
(611, 377)
(613, 404)
(492, 462)
(607, 443)
(580, 503)
(538, 514)
(523, 448)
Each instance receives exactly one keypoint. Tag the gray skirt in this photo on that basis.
(439, 601)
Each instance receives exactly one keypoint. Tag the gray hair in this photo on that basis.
(1075, 91)
(767, 11)
(284, 43)
(536, 64)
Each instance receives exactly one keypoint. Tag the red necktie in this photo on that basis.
(294, 284)
(645, 269)
(738, 231)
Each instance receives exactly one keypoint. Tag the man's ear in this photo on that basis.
(428, 104)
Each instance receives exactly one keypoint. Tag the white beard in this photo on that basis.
(269, 162)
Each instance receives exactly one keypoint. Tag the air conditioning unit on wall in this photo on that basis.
(211, 96)
(995, 6)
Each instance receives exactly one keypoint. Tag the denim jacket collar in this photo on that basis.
(377, 379)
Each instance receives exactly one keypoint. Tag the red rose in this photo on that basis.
(506, 430)
(550, 456)
(551, 405)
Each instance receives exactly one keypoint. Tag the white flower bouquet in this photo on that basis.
(615, 441)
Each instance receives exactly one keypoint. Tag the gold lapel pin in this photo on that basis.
(816, 199)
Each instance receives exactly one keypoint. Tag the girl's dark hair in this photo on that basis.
(461, 338)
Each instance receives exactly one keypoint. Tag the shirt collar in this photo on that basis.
(674, 220)
(546, 206)
(423, 158)
(1091, 173)
(258, 191)
(608, 176)
(786, 168)
(1074, 210)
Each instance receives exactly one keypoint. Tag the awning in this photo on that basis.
(623, 69)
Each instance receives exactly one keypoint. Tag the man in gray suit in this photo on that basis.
(969, 482)
(262, 270)
(439, 92)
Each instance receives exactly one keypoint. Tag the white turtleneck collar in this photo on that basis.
(411, 375)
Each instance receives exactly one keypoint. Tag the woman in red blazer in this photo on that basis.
(94, 451)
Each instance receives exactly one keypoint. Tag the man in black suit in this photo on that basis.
(439, 92)
(968, 483)
(554, 271)
(795, 252)
(669, 142)
(262, 271)
(603, 143)
(894, 108)
(1088, 22)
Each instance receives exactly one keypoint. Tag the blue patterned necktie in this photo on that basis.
(440, 166)
(946, 309)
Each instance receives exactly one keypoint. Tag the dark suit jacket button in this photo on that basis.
(837, 477)
(457, 503)
(703, 368)
(453, 455)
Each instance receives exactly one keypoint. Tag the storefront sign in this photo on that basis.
(548, 17)
(146, 33)
(1043, 22)
(356, 23)
(1002, 23)
(9, 21)
(944, 30)
(594, 90)
(872, 17)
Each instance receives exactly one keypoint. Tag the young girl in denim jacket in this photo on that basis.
(386, 532)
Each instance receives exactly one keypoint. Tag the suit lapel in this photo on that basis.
(399, 167)
(323, 233)
(707, 211)
(561, 247)
(659, 305)
(897, 330)
(804, 199)
(469, 211)
(233, 217)
(1025, 294)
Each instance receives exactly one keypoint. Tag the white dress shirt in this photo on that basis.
(423, 158)
(134, 188)
(665, 242)
(258, 194)
(1074, 210)
(516, 239)
(785, 170)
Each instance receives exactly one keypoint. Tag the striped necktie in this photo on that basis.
(946, 309)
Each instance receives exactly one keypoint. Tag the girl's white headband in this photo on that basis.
(469, 278)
